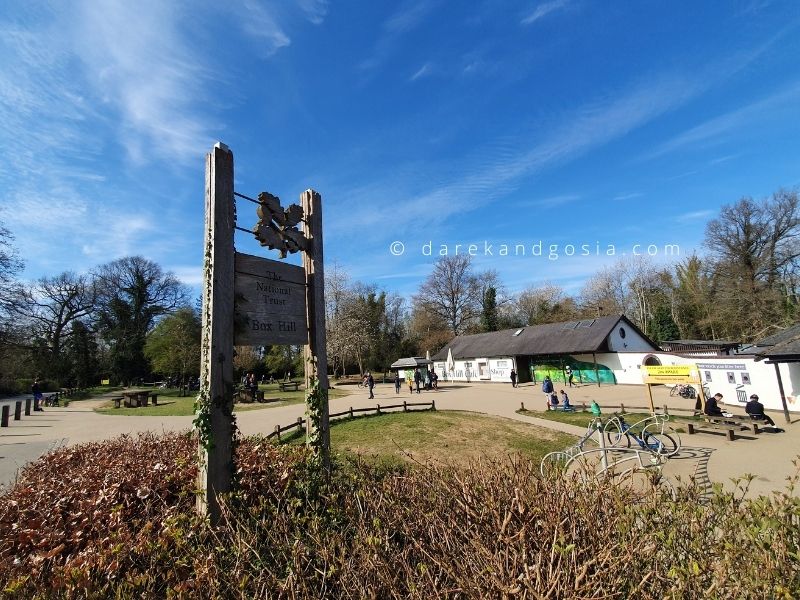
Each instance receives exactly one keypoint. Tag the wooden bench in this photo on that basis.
(730, 425)
(289, 386)
(561, 408)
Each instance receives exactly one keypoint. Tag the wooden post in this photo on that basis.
(27, 407)
(351, 412)
(299, 424)
(522, 406)
(316, 349)
(18, 410)
(783, 393)
(4, 417)
(405, 406)
(666, 410)
(622, 408)
(216, 463)
(596, 373)
(278, 432)
(650, 396)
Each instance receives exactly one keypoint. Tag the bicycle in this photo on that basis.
(653, 438)
(555, 461)
(684, 390)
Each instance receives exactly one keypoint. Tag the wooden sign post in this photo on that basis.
(316, 350)
(249, 300)
(214, 412)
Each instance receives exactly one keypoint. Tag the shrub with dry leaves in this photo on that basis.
(115, 519)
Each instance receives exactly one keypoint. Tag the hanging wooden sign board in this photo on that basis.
(270, 299)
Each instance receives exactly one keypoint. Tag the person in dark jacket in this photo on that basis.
(397, 382)
(755, 409)
(370, 384)
(547, 387)
(417, 378)
(712, 408)
(513, 378)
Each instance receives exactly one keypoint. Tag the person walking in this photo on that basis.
(570, 374)
(513, 378)
(370, 384)
(417, 378)
(36, 390)
(410, 382)
(397, 382)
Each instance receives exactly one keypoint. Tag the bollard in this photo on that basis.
(27, 407)
(18, 410)
(278, 432)
(405, 407)
(433, 404)
(522, 406)
(351, 412)
(4, 419)
(379, 410)
(583, 406)
(666, 410)
(622, 408)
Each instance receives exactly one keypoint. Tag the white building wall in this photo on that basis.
(631, 342)
(733, 377)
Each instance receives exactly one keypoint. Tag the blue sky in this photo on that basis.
(503, 122)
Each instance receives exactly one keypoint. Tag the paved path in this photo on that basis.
(768, 456)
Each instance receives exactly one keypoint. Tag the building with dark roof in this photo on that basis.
(589, 347)
(614, 350)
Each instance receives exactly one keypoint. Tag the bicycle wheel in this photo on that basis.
(674, 390)
(615, 435)
(662, 443)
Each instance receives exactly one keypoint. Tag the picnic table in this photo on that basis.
(135, 398)
(730, 425)
(289, 386)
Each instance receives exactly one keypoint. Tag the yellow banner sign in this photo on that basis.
(670, 374)
(105, 382)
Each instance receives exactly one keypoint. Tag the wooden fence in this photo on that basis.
(582, 407)
(299, 425)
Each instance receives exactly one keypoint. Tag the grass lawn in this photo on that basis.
(582, 419)
(447, 436)
(171, 404)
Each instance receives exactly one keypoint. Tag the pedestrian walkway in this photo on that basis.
(707, 456)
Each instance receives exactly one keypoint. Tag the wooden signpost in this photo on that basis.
(250, 300)
(270, 301)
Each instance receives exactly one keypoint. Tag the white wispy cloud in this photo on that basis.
(408, 16)
(544, 9)
(715, 130)
(697, 215)
(424, 71)
(628, 196)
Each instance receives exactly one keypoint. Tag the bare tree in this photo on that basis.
(540, 304)
(452, 293)
(755, 247)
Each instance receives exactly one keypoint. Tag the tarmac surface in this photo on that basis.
(708, 456)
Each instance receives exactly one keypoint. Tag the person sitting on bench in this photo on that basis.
(553, 400)
(713, 409)
(565, 400)
(755, 409)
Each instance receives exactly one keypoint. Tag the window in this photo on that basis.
(731, 377)
(745, 378)
(708, 375)
(622, 332)
(502, 364)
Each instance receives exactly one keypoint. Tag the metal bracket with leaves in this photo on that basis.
(277, 228)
